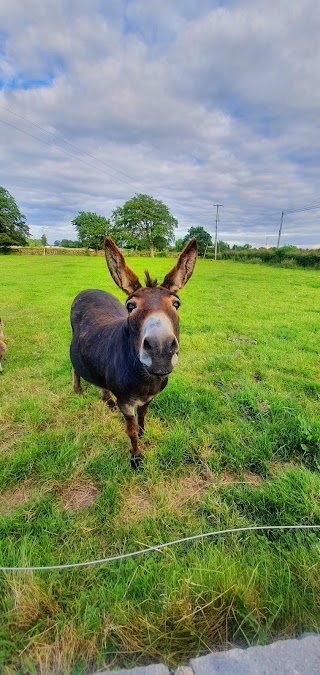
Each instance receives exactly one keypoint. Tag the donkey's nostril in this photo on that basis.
(174, 346)
(146, 344)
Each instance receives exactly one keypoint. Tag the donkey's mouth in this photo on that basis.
(157, 374)
(161, 374)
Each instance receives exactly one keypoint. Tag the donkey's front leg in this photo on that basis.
(132, 431)
(142, 411)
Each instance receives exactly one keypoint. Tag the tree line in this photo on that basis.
(142, 223)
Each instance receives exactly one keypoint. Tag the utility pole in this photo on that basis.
(216, 234)
(280, 228)
(268, 237)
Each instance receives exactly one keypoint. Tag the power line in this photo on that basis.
(306, 208)
(306, 205)
(309, 207)
(56, 147)
(25, 119)
(302, 210)
(136, 180)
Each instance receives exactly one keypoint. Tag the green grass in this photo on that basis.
(234, 440)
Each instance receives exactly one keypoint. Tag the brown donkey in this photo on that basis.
(3, 347)
(129, 351)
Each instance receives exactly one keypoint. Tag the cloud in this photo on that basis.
(192, 102)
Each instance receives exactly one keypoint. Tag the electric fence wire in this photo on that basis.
(157, 547)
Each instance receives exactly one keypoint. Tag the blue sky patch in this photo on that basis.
(26, 84)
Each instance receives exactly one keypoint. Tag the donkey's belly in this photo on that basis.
(87, 373)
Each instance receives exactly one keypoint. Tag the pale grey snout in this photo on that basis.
(159, 346)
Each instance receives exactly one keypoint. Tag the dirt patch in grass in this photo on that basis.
(264, 406)
(193, 486)
(187, 488)
(281, 467)
(11, 499)
(137, 505)
(170, 494)
(80, 494)
(10, 433)
(245, 478)
(175, 493)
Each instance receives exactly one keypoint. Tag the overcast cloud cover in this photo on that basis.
(192, 101)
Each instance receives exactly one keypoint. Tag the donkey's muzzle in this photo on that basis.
(159, 353)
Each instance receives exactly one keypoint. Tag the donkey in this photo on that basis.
(129, 351)
(3, 347)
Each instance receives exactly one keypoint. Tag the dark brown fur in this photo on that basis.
(3, 346)
(108, 343)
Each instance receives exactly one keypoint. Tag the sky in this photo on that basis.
(194, 102)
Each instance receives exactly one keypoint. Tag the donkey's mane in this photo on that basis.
(150, 283)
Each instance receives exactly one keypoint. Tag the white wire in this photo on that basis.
(158, 547)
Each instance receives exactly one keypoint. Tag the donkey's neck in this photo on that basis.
(125, 375)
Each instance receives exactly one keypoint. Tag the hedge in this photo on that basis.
(277, 256)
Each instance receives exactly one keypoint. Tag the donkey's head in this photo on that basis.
(152, 310)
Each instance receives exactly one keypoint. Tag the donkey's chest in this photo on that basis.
(145, 393)
(138, 402)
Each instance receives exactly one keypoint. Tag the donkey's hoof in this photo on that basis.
(136, 462)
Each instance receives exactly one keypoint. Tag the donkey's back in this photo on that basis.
(96, 319)
(95, 308)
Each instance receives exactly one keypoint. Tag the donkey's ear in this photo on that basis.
(123, 276)
(181, 272)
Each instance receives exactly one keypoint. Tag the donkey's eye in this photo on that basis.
(176, 304)
(130, 306)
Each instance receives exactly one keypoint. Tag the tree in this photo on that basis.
(68, 243)
(284, 251)
(223, 246)
(6, 241)
(44, 240)
(179, 244)
(203, 238)
(241, 247)
(91, 229)
(34, 242)
(145, 220)
(13, 225)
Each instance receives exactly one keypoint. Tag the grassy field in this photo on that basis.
(233, 441)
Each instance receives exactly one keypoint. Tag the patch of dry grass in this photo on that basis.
(77, 494)
(12, 499)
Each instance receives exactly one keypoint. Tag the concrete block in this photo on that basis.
(154, 669)
(285, 657)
